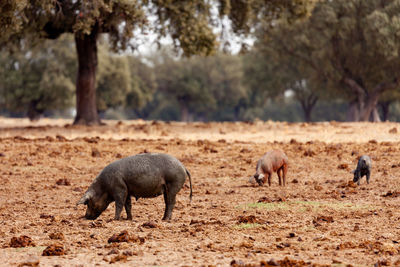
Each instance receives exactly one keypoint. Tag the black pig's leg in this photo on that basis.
(368, 175)
(128, 207)
(170, 192)
(120, 197)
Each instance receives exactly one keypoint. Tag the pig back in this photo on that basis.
(273, 160)
(145, 174)
(364, 163)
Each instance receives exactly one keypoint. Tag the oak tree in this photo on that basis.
(188, 23)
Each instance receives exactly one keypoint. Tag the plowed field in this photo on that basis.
(319, 218)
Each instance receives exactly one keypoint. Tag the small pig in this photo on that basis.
(272, 161)
(364, 166)
(142, 176)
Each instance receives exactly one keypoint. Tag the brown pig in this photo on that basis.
(272, 161)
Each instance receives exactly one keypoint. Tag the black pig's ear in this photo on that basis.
(84, 199)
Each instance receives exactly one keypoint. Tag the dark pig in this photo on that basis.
(272, 161)
(142, 176)
(364, 166)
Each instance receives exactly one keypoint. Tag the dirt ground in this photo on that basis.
(318, 218)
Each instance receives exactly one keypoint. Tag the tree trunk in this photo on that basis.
(353, 113)
(308, 104)
(368, 102)
(307, 114)
(184, 112)
(33, 113)
(86, 47)
(375, 115)
(369, 112)
(385, 109)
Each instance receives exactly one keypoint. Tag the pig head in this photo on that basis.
(96, 203)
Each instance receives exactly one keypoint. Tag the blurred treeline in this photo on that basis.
(321, 68)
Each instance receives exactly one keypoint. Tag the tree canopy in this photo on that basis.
(352, 44)
(190, 24)
(33, 81)
(201, 84)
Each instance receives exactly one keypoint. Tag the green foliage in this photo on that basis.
(188, 23)
(143, 83)
(123, 81)
(38, 80)
(353, 45)
(200, 85)
(113, 80)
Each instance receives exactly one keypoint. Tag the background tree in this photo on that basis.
(353, 45)
(143, 85)
(201, 85)
(386, 100)
(113, 80)
(188, 23)
(184, 80)
(33, 81)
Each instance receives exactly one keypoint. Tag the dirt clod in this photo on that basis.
(322, 218)
(237, 263)
(31, 262)
(124, 236)
(392, 194)
(247, 219)
(309, 153)
(119, 258)
(150, 224)
(95, 153)
(58, 235)
(54, 250)
(63, 181)
(21, 241)
(272, 262)
(343, 166)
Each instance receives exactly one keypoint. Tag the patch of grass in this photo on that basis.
(302, 206)
(334, 205)
(344, 265)
(246, 225)
(25, 249)
(270, 206)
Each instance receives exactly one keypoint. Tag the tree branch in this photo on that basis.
(354, 86)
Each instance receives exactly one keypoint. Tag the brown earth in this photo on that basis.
(319, 218)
